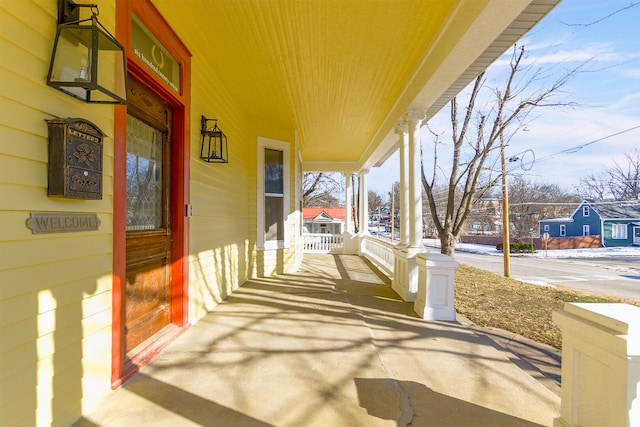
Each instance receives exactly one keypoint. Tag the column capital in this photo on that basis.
(414, 117)
(401, 128)
(363, 172)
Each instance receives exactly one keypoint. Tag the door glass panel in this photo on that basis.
(144, 176)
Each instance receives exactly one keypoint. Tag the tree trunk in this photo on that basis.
(447, 243)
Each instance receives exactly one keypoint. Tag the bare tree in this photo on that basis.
(321, 190)
(374, 200)
(621, 182)
(624, 180)
(531, 201)
(394, 198)
(475, 142)
(593, 187)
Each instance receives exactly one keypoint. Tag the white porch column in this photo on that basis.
(401, 131)
(347, 204)
(349, 239)
(414, 119)
(364, 203)
(406, 272)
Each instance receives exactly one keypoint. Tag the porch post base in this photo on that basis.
(434, 300)
(600, 365)
(351, 244)
(405, 273)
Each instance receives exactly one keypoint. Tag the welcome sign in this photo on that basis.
(55, 222)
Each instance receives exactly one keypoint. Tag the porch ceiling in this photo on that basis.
(343, 72)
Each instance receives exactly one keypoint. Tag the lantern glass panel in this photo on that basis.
(72, 59)
(88, 63)
(110, 69)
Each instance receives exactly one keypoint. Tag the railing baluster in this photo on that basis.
(322, 243)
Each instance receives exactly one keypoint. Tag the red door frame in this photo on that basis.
(121, 368)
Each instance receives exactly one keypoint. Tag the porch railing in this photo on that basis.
(379, 252)
(320, 243)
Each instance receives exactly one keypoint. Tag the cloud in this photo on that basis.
(631, 73)
(599, 52)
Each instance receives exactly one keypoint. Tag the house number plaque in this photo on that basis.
(75, 159)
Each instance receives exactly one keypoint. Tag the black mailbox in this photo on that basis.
(75, 159)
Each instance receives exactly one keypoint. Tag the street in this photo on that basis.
(607, 276)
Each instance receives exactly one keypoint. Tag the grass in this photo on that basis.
(494, 301)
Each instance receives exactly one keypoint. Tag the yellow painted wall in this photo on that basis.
(223, 228)
(56, 289)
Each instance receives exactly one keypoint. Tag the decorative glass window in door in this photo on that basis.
(144, 176)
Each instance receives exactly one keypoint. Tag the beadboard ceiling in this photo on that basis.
(343, 72)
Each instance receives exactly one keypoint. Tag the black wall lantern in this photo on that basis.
(87, 61)
(214, 142)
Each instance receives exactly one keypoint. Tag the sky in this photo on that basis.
(562, 145)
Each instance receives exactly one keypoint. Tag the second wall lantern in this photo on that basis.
(87, 61)
(214, 142)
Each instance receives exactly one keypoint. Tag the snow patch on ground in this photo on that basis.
(541, 253)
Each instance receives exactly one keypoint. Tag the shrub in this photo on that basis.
(518, 247)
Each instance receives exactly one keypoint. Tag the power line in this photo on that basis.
(577, 148)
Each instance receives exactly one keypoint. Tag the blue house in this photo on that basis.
(618, 223)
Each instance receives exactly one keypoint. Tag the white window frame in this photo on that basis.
(585, 230)
(585, 211)
(285, 147)
(546, 227)
(563, 230)
(621, 233)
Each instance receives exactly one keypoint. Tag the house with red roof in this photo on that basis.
(323, 220)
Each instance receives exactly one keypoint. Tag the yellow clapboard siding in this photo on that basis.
(19, 333)
(22, 171)
(18, 358)
(55, 309)
(34, 278)
(37, 15)
(98, 323)
(16, 198)
(23, 145)
(65, 338)
(35, 39)
(22, 60)
(42, 251)
(21, 411)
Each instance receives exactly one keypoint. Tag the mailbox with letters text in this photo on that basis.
(75, 159)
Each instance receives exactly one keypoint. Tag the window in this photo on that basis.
(585, 230)
(618, 231)
(585, 211)
(273, 193)
(563, 230)
(546, 227)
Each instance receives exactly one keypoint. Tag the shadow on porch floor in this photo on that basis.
(332, 345)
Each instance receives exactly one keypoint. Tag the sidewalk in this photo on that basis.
(332, 345)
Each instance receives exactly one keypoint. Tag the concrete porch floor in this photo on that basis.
(332, 345)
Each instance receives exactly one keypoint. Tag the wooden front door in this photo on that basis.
(147, 297)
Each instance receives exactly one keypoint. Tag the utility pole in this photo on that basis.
(393, 209)
(505, 212)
